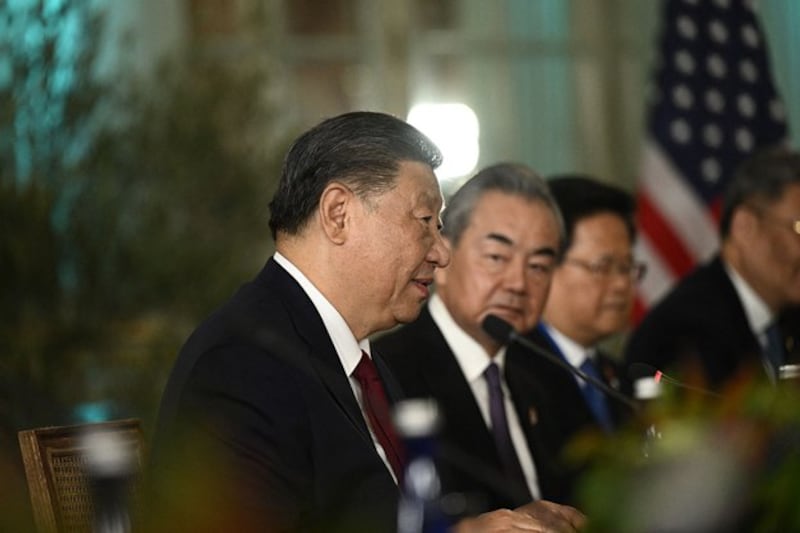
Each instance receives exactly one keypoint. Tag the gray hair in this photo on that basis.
(514, 179)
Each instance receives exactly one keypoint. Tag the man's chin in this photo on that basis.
(515, 320)
(409, 315)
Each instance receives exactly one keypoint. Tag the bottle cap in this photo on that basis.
(646, 388)
(107, 454)
(416, 418)
(789, 372)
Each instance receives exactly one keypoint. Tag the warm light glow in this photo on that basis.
(454, 128)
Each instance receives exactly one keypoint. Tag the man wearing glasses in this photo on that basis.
(738, 312)
(591, 299)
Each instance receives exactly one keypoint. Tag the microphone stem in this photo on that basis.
(689, 387)
(514, 336)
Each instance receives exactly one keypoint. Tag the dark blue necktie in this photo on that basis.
(502, 436)
(774, 348)
(595, 398)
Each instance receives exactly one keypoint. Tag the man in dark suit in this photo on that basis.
(591, 299)
(504, 232)
(278, 385)
(736, 315)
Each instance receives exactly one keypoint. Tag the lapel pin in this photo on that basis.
(533, 416)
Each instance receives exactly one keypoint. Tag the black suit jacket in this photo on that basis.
(261, 383)
(574, 415)
(423, 363)
(701, 322)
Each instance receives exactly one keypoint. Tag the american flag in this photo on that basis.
(712, 103)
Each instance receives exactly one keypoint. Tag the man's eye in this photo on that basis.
(540, 268)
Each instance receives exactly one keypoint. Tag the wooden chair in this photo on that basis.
(56, 462)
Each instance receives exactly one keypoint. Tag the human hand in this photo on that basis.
(560, 518)
(539, 517)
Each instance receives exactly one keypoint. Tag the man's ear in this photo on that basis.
(334, 205)
(744, 222)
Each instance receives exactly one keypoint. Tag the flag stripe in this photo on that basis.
(669, 192)
(659, 274)
(669, 245)
(712, 104)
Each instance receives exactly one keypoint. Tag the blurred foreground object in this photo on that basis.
(419, 510)
(727, 463)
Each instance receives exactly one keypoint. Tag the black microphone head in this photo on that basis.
(641, 370)
(499, 329)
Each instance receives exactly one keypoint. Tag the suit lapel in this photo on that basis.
(606, 369)
(565, 407)
(320, 351)
(731, 305)
(393, 390)
(524, 394)
(465, 424)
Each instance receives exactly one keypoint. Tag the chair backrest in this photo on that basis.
(56, 463)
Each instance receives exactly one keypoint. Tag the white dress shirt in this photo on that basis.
(473, 360)
(344, 342)
(574, 353)
(759, 316)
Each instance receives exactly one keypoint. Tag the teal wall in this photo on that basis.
(781, 20)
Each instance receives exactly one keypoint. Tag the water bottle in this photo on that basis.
(420, 509)
(645, 391)
(111, 465)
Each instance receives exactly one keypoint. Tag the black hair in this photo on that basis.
(580, 196)
(361, 149)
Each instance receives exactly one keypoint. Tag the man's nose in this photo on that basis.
(514, 275)
(439, 253)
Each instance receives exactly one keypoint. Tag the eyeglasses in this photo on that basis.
(604, 268)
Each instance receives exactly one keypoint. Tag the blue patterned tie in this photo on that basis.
(595, 398)
(502, 436)
(774, 348)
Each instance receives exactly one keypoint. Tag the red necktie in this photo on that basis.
(377, 409)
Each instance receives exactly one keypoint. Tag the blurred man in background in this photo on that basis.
(737, 313)
(591, 299)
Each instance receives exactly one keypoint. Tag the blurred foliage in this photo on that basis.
(129, 209)
(698, 463)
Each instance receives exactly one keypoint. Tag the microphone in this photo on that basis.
(502, 331)
(643, 370)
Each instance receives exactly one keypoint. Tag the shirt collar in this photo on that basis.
(574, 353)
(471, 356)
(344, 342)
(756, 310)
